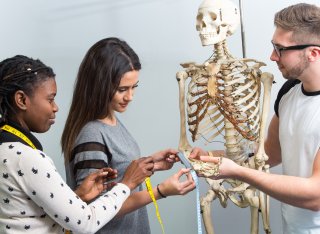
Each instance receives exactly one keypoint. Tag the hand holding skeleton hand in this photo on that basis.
(226, 168)
(212, 164)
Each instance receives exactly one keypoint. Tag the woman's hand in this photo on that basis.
(174, 186)
(164, 159)
(95, 183)
(137, 171)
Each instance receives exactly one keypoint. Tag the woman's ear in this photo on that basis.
(20, 99)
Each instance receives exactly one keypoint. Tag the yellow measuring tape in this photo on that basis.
(19, 134)
(149, 188)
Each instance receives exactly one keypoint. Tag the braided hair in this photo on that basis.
(19, 73)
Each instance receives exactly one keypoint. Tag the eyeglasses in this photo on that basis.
(279, 49)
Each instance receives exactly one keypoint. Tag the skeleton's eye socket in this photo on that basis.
(213, 16)
(199, 21)
(199, 17)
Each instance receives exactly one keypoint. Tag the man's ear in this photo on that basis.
(315, 54)
(20, 99)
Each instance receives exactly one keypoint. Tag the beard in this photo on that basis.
(294, 72)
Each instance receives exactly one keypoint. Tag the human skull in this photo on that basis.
(216, 20)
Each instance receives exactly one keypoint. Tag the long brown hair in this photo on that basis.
(98, 78)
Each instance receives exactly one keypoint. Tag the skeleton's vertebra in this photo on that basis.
(223, 98)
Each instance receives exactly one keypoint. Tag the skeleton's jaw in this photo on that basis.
(211, 38)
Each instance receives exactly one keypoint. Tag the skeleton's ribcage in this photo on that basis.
(231, 93)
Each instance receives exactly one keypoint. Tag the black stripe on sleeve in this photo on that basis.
(91, 146)
(90, 164)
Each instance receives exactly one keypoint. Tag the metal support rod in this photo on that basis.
(243, 39)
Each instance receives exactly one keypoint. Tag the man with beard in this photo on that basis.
(294, 132)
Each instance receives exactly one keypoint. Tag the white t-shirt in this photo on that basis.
(299, 134)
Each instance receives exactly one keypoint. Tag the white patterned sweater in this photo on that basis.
(35, 199)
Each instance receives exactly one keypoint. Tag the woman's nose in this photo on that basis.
(129, 95)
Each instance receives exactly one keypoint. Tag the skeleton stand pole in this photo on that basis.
(243, 39)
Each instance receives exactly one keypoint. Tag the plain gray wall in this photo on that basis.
(163, 34)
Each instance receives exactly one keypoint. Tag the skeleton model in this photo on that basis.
(223, 98)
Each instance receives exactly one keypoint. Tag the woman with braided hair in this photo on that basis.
(33, 196)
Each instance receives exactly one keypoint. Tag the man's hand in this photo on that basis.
(226, 167)
(196, 152)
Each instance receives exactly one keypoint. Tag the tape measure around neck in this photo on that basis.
(19, 134)
(149, 188)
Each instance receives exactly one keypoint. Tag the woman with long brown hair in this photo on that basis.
(94, 137)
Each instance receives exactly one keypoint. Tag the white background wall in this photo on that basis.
(163, 34)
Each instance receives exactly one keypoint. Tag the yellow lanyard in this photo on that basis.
(19, 134)
(149, 188)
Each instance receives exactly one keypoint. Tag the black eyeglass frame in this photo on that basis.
(279, 49)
